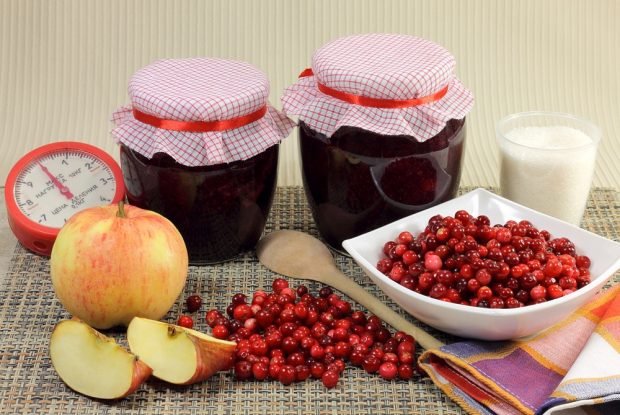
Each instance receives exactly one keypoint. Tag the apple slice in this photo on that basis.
(178, 355)
(94, 364)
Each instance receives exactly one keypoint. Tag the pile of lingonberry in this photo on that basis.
(290, 335)
(465, 260)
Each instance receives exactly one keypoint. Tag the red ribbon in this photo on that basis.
(199, 126)
(376, 102)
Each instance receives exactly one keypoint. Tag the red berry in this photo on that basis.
(287, 374)
(242, 312)
(405, 371)
(238, 299)
(583, 261)
(510, 259)
(185, 321)
(193, 303)
(397, 273)
(260, 370)
(274, 370)
(410, 257)
(243, 370)
(325, 292)
(388, 370)
(317, 369)
(371, 364)
(432, 262)
(330, 379)
(302, 372)
(538, 292)
(289, 292)
(212, 316)
(220, 332)
(405, 237)
(554, 291)
(279, 284)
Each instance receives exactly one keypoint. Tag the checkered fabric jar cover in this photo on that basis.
(200, 90)
(384, 67)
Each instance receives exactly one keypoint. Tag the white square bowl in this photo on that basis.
(485, 323)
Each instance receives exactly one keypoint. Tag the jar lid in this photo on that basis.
(200, 111)
(390, 84)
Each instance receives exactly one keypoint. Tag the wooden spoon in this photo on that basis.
(299, 255)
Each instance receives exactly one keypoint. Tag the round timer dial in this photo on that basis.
(53, 182)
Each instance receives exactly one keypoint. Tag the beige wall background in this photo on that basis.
(64, 64)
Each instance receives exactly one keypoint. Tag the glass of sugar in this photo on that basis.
(547, 162)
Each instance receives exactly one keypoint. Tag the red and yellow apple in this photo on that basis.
(112, 263)
(93, 364)
(178, 355)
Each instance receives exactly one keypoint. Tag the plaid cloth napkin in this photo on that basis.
(571, 368)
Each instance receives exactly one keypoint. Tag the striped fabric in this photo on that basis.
(568, 368)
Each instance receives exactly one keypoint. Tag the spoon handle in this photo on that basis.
(345, 285)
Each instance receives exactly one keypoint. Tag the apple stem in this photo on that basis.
(121, 210)
(172, 331)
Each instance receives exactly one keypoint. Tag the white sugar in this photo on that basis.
(548, 169)
(551, 138)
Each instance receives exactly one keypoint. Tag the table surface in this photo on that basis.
(29, 311)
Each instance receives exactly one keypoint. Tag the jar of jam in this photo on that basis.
(199, 145)
(381, 131)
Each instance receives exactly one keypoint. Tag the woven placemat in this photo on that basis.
(29, 311)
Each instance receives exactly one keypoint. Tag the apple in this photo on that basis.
(93, 364)
(178, 355)
(112, 263)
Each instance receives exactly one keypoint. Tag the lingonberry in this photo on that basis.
(515, 254)
(289, 292)
(330, 378)
(279, 284)
(325, 292)
(432, 262)
(185, 321)
(317, 369)
(212, 316)
(242, 312)
(405, 371)
(260, 370)
(243, 370)
(342, 349)
(238, 298)
(538, 292)
(302, 372)
(287, 374)
(220, 331)
(555, 291)
(405, 237)
(290, 335)
(388, 370)
(371, 364)
(193, 303)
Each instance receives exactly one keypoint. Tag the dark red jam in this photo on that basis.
(220, 210)
(357, 180)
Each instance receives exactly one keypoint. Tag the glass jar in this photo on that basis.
(359, 180)
(220, 210)
(381, 131)
(200, 145)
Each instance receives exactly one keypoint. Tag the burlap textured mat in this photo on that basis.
(29, 311)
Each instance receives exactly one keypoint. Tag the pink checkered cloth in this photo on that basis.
(571, 368)
(381, 66)
(200, 89)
